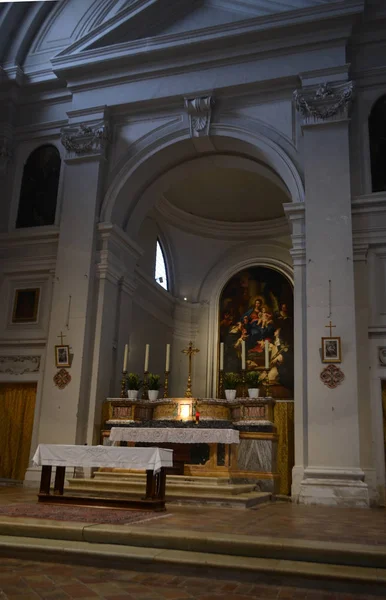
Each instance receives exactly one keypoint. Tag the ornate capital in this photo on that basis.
(6, 154)
(85, 139)
(200, 112)
(328, 102)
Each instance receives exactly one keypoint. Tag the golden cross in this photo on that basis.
(61, 338)
(330, 326)
(189, 351)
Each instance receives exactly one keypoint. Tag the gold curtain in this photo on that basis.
(17, 407)
(284, 421)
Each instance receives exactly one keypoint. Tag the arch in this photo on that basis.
(158, 152)
(161, 271)
(39, 188)
(377, 138)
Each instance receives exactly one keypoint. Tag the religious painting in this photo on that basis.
(256, 306)
(331, 351)
(62, 356)
(25, 305)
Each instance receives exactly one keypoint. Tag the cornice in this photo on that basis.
(29, 236)
(220, 229)
(163, 295)
(369, 203)
(110, 232)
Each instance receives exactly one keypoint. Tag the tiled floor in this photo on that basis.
(22, 580)
(281, 519)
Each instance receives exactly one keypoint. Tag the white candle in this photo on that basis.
(147, 350)
(266, 354)
(243, 355)
(167, 365)
(222, 356)
(125, 355)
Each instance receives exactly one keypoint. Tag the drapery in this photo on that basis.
(17, 407)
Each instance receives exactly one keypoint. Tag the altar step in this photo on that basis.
(179, 489)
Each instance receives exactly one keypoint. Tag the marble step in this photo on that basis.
(175, 487)
(180, 479)
(90, 487)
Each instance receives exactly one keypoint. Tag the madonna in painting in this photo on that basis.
(257, 305)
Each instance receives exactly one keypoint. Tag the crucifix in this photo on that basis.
(330, 326)
(189, 351)
(61, 338)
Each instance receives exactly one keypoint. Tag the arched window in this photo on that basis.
(377, 132)
(160, 272)
(39, 188)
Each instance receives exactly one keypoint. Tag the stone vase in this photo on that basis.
(253, 392)
(152, 394)
(132, 394)
(230, 394)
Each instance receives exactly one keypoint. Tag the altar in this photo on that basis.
(236, 440)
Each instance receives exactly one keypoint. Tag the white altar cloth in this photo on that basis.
(162, 435)
(57, 455)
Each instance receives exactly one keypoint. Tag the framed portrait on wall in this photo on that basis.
(62, 356)
(26, 305)
(331, 350)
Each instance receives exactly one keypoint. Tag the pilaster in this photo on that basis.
(333, 473)
(74, 305)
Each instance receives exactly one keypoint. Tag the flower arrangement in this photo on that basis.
(231, 381)
(133, 381)
(153, 381)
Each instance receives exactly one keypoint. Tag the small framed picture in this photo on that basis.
(331, 350)
(62, 356)
(26, 305)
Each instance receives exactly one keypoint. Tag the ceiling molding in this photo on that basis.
(223, 230)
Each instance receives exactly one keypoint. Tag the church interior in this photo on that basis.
(193, 283)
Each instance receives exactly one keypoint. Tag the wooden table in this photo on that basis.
(154, 460)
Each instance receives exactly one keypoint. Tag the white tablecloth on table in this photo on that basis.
(57, 455)
(162, 435)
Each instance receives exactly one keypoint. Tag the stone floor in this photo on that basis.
(27, 580)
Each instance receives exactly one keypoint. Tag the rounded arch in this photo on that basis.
(131, 192)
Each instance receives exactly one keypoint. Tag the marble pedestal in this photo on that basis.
(334, 487)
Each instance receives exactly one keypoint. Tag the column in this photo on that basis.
(333, 474)
(64, 410)
(295, 213)
(115, 273)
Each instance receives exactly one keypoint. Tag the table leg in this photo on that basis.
(162, 484)
(150, 484)
(59, 481)
(45, 480)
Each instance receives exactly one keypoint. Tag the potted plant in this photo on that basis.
(231, 381)
(133, 383)
(153, 385)
(253, 380)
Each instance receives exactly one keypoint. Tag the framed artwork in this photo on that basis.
(331, 350)
(62, 356)
(26, 305)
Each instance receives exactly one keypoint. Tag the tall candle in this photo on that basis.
(125, 357)
(222, 356)
(167, 365)
(243, 355)
(147, 350)
(266, 354)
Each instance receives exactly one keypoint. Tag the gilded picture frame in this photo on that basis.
(331, 350)
(62, 356)
(26, 305)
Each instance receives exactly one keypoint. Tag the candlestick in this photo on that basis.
(147, 350)
(167, 365)
(222, 356)
(243, 355)
(145, 395)
(123, 384)
(125, 355)
(221, 385)
(243, 393)
(266, 354)
(166, 385)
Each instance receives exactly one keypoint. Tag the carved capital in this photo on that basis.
(85, 139)
(328, 102)
(6, 153)
(200, 113)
